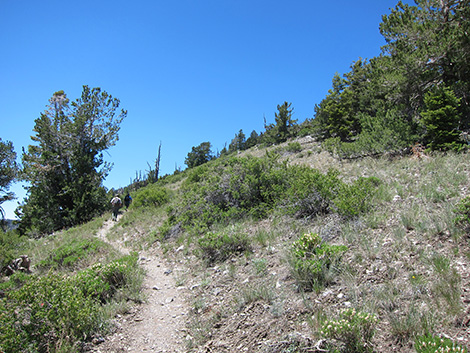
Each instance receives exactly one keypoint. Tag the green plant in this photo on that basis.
(55, 311)
(293, 147)
(354, 199)
(354, 329)
(433, 344)
(251, 293)
(463, 212)
(441, 119)
(217, 247)
(446, 287)
(314, 263)
(151, 196)
(69, 254)
(260, 266)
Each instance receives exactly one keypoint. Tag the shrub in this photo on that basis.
(354, 199)
(10, 241)
(218, 247)
(52, 312)
(45, 313)
(309, 192)
(354, 329)
(293, 147)
(151, 196)
(385, 132)
(463, 212)
(313, 263)
(432, 344)
(233, 188)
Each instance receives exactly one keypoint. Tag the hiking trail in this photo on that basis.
(156, 325)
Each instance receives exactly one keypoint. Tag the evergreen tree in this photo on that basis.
(284, 122)
(238, 143)
(199, 155)
(441, 119)
(8, 173)
(429, 45)
(65, 168)
(252, 140)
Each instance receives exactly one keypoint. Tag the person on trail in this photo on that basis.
(116, 203)
(127, 200)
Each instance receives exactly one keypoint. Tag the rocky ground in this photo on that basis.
(158, 324)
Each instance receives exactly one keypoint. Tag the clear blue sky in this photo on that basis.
(187, 71)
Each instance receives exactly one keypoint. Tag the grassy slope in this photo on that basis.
(407, 263)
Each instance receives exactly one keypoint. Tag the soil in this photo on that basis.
(157, 324)
(250, 303)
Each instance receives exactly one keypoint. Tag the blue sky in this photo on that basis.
(187, 71)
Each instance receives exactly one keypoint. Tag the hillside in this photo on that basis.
(400, 265)
(407, 263)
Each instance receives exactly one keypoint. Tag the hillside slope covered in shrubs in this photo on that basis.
(279, 250)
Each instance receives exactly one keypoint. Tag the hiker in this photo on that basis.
(127, 200)
(117, 204)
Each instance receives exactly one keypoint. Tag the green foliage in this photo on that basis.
(8, 173)
(314, 263)
(199, 155)
(65, 168)
(70, 254)
(10, 243)
(309, 193)
(354, 329)
(283, 128)
(293, 147)
(354, 199)
(233, 188)
(238, 143)
(433, 344)
(218, 247)
(463, 212)
(383, 133)
(151, 196)
(428, 45)
(441, 119)
(427, 49)
(52, 312)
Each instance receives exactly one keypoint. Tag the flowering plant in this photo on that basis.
(354, 329)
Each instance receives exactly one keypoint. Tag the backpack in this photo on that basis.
(116, 202)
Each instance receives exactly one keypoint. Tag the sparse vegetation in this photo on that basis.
(314, 263)
(268, 243)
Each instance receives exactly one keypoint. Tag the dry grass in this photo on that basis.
(407, 262)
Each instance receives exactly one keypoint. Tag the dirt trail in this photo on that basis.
(158, 324)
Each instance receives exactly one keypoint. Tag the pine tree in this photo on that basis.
(65, 168)
(441, 119)
(8, 173)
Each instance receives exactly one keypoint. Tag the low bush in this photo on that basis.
(151, 196)
(293, 147)
(354, 329)
(233, 188)
(463, 212)
(218, 247)
(433, 344)
(313, 262)
(55, 312)
(354, 199)
(10, 242)
(385, 132)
